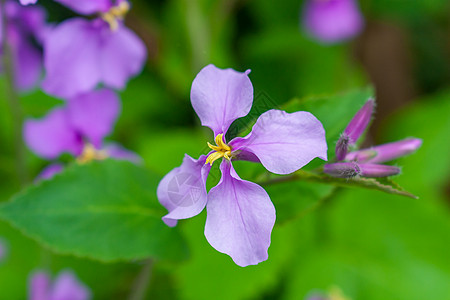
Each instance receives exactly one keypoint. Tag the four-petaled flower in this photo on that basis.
(367, 162)
(240, 214)
(66, 286)
(78, 128)
(80, 54)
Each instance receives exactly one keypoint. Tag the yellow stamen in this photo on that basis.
(337, 294)
(221, 150)
(90, 153)
(116, 13)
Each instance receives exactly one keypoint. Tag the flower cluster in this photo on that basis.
(240, 215)
(78, 55)
(367, 162)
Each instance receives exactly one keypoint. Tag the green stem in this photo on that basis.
(142, 282)
(383, 184)
(13, 99)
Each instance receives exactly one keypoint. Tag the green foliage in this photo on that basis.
(103, 210)
(296, 198)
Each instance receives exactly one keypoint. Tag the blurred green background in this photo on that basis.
(373, 246)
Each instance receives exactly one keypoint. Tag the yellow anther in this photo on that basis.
(90, 153)
(221, 150)
(116, 13)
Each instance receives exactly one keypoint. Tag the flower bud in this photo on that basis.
(375, 170)
(342, 170)
(361, 156)
(352, 169)
(390, 151)
(342, 147)
(359, 123)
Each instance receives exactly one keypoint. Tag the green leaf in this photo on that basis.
(296, 198)
(103, 210)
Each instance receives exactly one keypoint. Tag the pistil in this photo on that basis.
(221, 150)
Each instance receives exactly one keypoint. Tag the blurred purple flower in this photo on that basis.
(79, 128)
(26, 2)
(366, 162)
(25, 31)
(50, 171)
(80, 54)
(240, 215)
(331, 21)
(65, 287)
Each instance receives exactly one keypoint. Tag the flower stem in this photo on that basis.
(141, 283)
(13, 99)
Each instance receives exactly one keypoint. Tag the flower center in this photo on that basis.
(116, 13)
(90, 153)
(221, 150)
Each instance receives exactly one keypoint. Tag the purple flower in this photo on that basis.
(240, 215)
(79, 128)
(366, 162)
(331, 21)
(65, 287)
(80, 54)
(25, 30)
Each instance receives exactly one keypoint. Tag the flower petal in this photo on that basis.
(39, 286)
(71, 58)
(50, 171)
(93, 114)
(123, 56)
(52, 135)
(332, 21)
(221, 96)
(240, 218)
(116, 151)
(27, 65)
(87, 7)
(183, 190)
(284, 142)
(67, 286)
